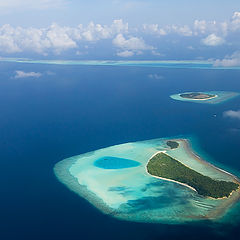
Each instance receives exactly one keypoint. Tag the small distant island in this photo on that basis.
(208, 97)
(163, 166)
(197, 96)
(172, 144)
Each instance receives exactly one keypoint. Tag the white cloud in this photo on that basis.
(59, 38)
(154, 29)
(19, 39)
(203, 27)
(184, 30)
(125, 53)
(200, 26)
(235, 24)
(151, 27)
(218, 28)
(55, 38)
(133, 43)
(155, 76)
(225, 28)
(213, 40)
(130, 46)
(95, 32)
(119, 26)
(229, 61)
(232, 114)
(7, 41)
(22, 74)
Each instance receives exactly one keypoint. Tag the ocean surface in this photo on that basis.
(73, 109)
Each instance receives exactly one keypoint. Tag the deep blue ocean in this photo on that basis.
(71, 110)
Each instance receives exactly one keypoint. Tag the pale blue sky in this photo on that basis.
(39, 13)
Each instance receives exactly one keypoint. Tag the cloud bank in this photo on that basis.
(198, 28)
(55, 38)
(126, 41)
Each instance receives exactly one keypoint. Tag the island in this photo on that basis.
(172, 144)
(166, 167)
(163, 180)
(208, 97)
(198, 96)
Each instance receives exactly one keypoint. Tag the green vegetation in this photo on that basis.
(172, 144)
(164, 166)
(197, 95)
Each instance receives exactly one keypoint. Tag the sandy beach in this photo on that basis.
(226, 202)
(229, 201)
(199, 159)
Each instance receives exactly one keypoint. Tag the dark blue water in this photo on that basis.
(115, 163)
(77, 109)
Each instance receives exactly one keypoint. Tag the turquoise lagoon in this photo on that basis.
(221, 96)
(186, 64)
(115, 181)
(115, 163)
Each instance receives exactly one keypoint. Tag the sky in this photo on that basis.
(121, 29)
